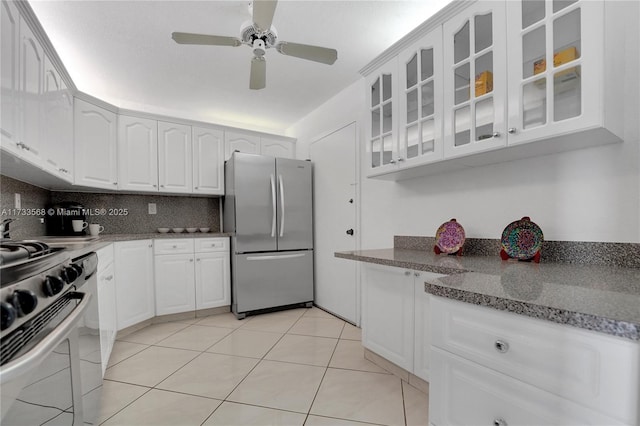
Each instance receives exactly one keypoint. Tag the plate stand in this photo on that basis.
(535, 258)
(437, 250)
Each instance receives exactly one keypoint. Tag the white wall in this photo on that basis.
(585, 195)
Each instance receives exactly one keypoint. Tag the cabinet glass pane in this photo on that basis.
(387, 147)
(461, 44)
(426, 64)
(462, 80)
(532, 12)
(375, 123)
(386, 117)
(534, 52)
(375, 93)
(428, 136)
(427, 99)
(412, 71)
(412, 141)
(462, 125)
(567, 94)
(566, 38)
(412, 106)
(484, 119)
(375, 152)
(484, 74)
(534, 103)
(386, 87)
(561, 4)
(483, 31)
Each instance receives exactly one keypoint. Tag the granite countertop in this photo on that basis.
(594, 297)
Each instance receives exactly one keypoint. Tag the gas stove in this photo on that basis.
(32, 276)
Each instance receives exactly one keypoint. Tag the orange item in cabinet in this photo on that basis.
(484, 83)
(567, 55)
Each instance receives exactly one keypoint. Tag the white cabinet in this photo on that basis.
(107, 303)
(57, 124)
(135, 298)
(475, 75)
(175, 158)
(10, 83)
(586, 377)
(254, 144)
(387, 314)
(249, 144)
(137, 154)
(422, 326)
(208, 161)
(212, 280)
(95, 141)
(174, 283)
(191, 274)
(280, 148)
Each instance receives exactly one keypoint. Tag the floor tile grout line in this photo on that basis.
(404, 405)
(348, 420)
(127, 405)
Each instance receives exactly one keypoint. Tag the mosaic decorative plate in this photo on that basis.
(522, 239)
(450, 237)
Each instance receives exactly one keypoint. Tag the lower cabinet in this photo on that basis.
(135, 300)
(491, 366)
(107, 310)
(191, 275)
(395, 316)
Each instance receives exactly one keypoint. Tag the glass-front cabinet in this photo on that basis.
(555, 70)
(382, 131)
(475, 80)
(420, 76)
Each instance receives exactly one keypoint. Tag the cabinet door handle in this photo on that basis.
(190, 260)
(499, 421)
(154, 185)
(115, 183)
(501, 346)
(392, 162)
(512, 130)
(496, 134)
(175, 246)
(161, 186)
(407, 273)
(198, 260)
(399, 160)
(416, 274)
(196, 187)
(109, 278)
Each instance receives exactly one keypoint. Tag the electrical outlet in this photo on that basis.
(18, 201)
(152, 208)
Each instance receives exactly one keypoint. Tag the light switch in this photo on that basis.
(152, 208)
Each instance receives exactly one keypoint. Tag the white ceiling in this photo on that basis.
(122, 53)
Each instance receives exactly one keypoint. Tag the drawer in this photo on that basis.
(173, 246)
(463, 393)
(105, 257)
(205, 245)
(589, 368)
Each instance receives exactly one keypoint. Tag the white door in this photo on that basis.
(174, 158)
(208, 161)
(174, 284)
(137, 154)
(213, 286)
(335, 194)
(135, 301)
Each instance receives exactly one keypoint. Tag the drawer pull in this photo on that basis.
(407, 273)
(175, 246)
(502, 347)
(500, 422)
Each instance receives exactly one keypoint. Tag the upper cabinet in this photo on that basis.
(254, 144)
(208, 161)
(9, 67)
(95, 140)
(507, 80)
(474, 82)
(137, 154)
(175, 158)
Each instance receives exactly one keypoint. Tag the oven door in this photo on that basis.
(40, 384)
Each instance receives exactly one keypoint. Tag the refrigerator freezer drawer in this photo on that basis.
(268, 280)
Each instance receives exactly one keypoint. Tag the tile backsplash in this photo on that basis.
(121, 213)
(129, 214)
(32, 199)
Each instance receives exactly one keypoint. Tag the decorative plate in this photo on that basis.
(450, 237)
(522, 239)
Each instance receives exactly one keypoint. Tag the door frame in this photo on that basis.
(358, 212)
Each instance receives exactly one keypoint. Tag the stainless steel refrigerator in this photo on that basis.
(268, 209)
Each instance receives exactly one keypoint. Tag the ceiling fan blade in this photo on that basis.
(258, 79)
(263, 11)
(189, 38)
(305, 51)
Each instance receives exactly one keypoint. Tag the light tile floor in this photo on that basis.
(295, 367)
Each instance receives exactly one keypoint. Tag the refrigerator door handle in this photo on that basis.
(281, 183)
(283, 256)
(273, 205)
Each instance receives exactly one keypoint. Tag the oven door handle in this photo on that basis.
(39, 352)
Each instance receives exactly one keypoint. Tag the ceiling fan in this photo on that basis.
(260, 35)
